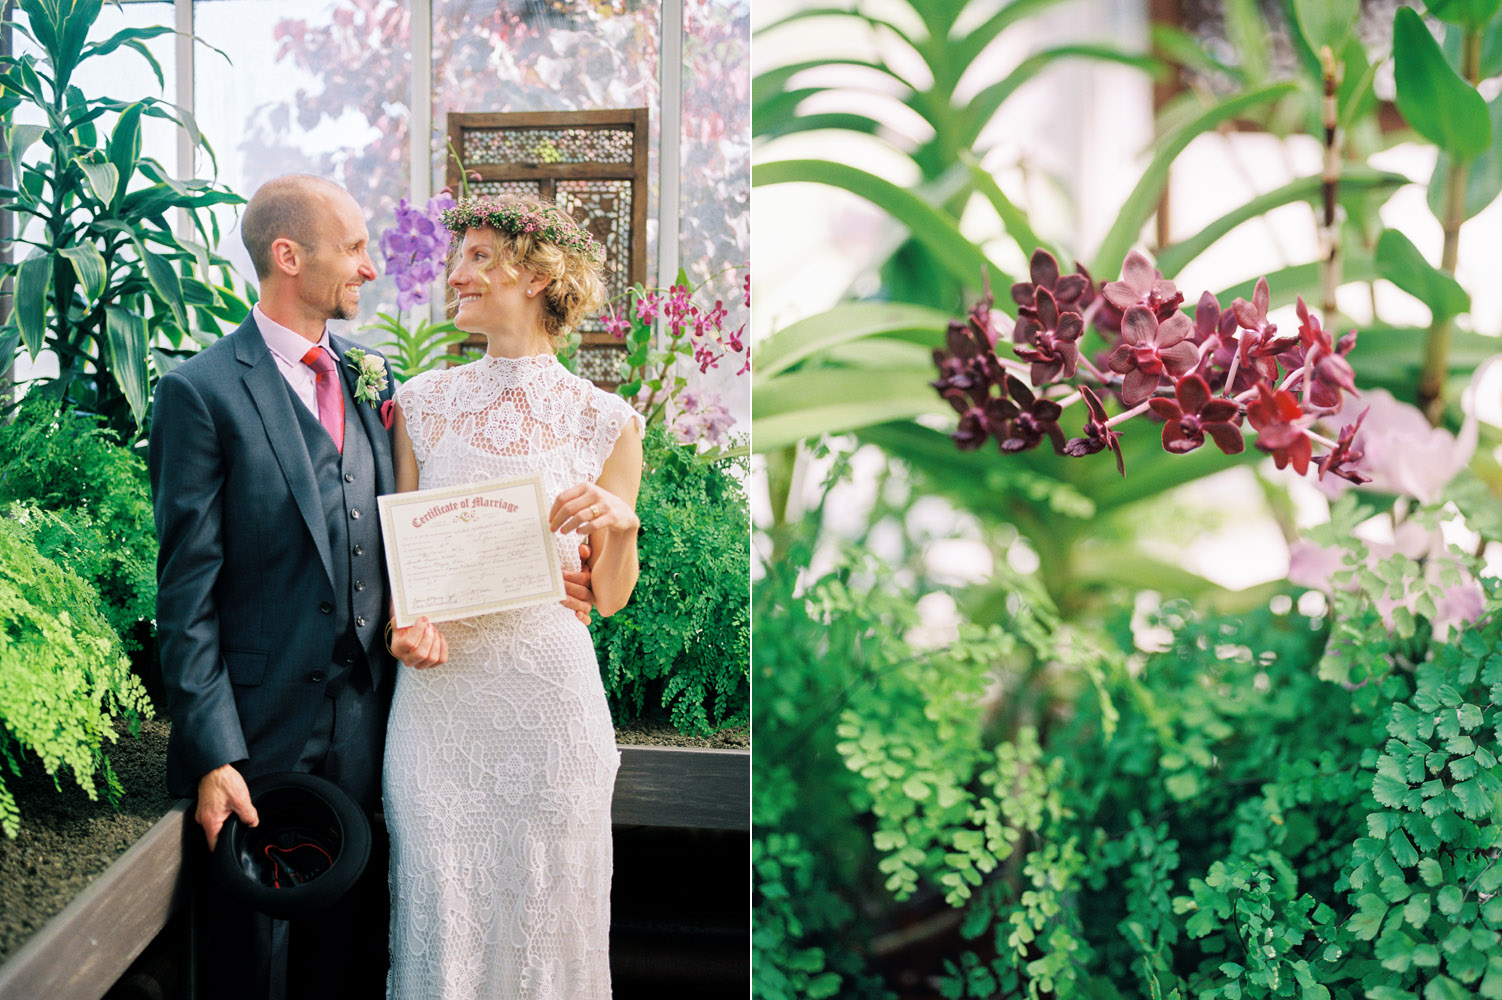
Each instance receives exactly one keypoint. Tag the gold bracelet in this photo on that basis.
(389, 626)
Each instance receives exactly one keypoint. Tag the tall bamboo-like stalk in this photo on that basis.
(1437, 348)
(1329, 232)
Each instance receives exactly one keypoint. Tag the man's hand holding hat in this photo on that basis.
(222, 792)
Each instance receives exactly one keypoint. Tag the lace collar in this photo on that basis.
(509, 372)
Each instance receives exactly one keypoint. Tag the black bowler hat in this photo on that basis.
(311, 844)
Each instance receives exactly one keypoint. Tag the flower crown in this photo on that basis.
(542, 221)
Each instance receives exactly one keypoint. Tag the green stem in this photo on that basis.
(1431, 393)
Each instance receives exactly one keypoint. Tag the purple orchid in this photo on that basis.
(415, 249)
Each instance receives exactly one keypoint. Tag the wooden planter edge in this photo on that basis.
(81, 951)
(85, 948)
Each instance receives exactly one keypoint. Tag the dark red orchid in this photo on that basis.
(1344, 454)
(968, 367)
(1142, 285)
(1280, 423)
(1149, 349)
(1071, 292)
(1033, 419)
(991, 419)
(1195, 415)
(1047, 339)
(1331, 372)
(1098, 436)
(1260, 343)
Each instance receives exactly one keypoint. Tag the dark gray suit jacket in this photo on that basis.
(244, 569)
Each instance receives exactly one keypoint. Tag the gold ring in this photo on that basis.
(594, 511)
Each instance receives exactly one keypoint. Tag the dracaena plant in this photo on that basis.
(96, 272)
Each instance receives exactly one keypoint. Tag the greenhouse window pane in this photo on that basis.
(714, 229)
(312, 87)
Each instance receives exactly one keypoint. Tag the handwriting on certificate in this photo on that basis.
(460, 551)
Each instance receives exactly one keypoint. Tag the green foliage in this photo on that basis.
(65, 463)
(1441, 105)
(1216, 818)
(64, 679)
(681, 642)
(106, 279)
(420, 349)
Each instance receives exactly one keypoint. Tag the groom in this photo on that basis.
(272, 601)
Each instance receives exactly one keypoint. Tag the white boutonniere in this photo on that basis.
(370, 374)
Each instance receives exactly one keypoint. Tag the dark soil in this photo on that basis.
(662, 734)
(66, 840)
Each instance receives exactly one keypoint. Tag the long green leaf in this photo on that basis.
(77, 19)
(985, 104)
(33, 279)
(846, 121)
(164, 282)
(1013, 219)
(103, 180)
(774, 81)
(1143, 200)
(125, 352)
(20, 138)
(936, 231)
(1439, 105)
(1306, 280)
(840, 325)
(841, 12)
(125, 143)
(964, 49)
(805, 404)
(88, 265)
(1400, 262)
(43, 26)
(1172, 259)
(119, 38)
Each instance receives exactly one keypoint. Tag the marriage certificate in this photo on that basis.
(460, 551)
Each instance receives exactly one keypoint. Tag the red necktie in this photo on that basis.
(330, 398)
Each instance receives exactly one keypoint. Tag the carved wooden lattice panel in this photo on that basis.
(594, 165)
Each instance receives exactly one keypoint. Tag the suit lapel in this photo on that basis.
(273, 401)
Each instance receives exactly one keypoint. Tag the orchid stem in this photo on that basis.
(1095, 372)
(1320, 439)
(1127, 414)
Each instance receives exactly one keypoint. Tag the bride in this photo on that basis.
(500, 762)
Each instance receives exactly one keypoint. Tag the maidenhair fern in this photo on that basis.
(64, 678)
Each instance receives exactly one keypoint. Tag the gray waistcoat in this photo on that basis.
(346, 487)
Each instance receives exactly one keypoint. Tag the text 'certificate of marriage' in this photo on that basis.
(460, 551)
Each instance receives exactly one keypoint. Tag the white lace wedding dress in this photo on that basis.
(500, 763)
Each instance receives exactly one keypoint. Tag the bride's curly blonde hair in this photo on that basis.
(535, 234)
